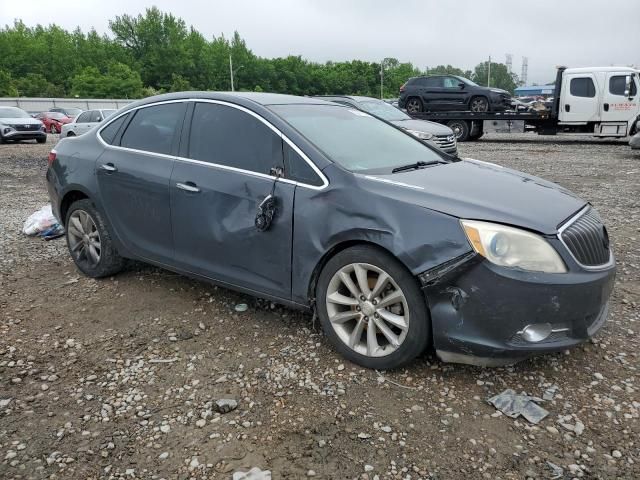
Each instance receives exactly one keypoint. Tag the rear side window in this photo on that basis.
(152, 128)
(84, 117)
(618, 83)
(228, 136)
(582, 87)
(109, 133)
(296, 168)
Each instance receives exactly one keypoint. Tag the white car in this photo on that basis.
(85, 122)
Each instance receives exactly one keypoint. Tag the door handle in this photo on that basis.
(567, 108)
(109, 167)
(606, 107)
(188, 187)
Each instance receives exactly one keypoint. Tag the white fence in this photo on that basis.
(36, 105)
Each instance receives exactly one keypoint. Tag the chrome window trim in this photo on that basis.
(566, 225)
(325, 181)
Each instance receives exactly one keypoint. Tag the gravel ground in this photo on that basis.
(119, 378)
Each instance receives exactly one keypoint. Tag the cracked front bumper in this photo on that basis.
(479, 310)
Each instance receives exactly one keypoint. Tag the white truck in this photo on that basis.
(595, 101)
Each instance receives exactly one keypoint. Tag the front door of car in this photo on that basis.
(218, 183)
(616, 106)
(133, 179)
(455, 94)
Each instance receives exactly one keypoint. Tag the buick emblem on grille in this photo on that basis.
(605, 238)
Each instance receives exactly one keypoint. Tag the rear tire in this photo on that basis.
(71, 134)
(372, 309)
(41, 140)
(414, 105)
(460, 129)
(89, 241)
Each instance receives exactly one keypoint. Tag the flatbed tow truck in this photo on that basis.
(597, 101)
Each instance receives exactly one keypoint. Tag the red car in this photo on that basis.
(53, 121)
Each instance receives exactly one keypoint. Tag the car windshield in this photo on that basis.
(467, 81)
(73, 112)
(56, 115)
(383, 110)
(13, 113)
(355, 139)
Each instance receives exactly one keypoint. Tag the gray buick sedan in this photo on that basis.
(396, 246)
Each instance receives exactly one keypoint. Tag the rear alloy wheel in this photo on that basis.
(479, 104)
(372, 309)
(414, 105)
(89, 241)
(53, 129)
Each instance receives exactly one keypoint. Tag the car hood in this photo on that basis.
(424, 126)
(477, 190)
(20, 121)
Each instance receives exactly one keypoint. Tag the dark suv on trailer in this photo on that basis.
(450, 92)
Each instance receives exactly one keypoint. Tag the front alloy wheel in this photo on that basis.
(479, 104)
(372, 308)
(367, 309)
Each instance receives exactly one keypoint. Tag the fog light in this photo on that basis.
(536, 332)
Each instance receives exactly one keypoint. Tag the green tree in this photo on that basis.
(500, 76)
(7, 85)
(179, 84)
(118, 81)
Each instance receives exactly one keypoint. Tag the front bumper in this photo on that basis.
(500, 101)
(24, 135)
(479, 310)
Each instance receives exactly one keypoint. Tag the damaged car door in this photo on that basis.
(232, 217)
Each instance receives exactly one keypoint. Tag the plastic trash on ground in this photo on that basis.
(42, 223)
(254, 474)
(514, 405)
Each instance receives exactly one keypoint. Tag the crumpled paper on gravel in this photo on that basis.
(513, 405)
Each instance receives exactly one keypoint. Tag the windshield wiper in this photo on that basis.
(414, 166)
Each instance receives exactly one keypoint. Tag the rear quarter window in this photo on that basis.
(110, 132)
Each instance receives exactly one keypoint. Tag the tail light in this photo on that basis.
(402, 87)
(52, 157)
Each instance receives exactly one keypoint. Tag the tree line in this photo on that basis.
(156, 52)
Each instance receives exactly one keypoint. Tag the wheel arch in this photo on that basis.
(335, 249)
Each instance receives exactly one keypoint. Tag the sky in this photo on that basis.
(427, 33)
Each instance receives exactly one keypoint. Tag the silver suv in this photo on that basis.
(85, 122)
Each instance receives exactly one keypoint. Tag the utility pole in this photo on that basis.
(231, 71)
(381, 79)
(489, 73)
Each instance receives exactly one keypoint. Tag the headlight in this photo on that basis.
(421, 135)
(512, 247)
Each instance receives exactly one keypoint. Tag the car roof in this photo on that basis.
(260, 98)
(355, 98)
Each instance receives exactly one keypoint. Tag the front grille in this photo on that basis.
(26, 128)
(446, 142)
(587, 239)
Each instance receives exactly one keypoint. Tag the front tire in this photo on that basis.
(372, 309)
(89, 241)
(41, 139)
(479, 104)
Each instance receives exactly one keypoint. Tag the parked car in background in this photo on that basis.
(85, 122)
(451, 93)
(16, 125)
(53, 121)
(71, 112)
(439, 135)
(396, 245)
